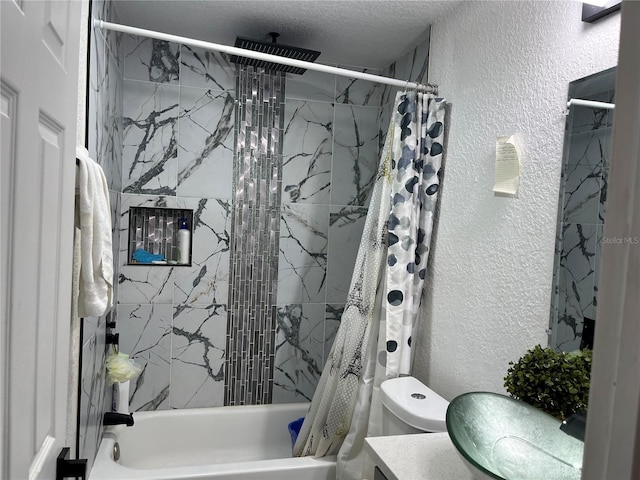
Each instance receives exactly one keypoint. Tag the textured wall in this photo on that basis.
(505, 68)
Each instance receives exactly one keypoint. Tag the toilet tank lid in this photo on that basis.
(414, 403)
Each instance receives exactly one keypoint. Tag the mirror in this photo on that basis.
(581, 212)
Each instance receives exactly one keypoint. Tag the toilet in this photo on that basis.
(409, 406)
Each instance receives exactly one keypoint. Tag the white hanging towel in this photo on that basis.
(96, 255)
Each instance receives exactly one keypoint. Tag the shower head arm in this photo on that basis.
(274, 36)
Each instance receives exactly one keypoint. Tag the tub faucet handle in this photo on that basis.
(112, 418)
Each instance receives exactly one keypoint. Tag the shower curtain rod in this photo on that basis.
(428, 88)
(590, 103)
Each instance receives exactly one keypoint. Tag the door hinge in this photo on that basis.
(66, 468)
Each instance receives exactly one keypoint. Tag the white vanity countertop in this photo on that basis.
(428, 456)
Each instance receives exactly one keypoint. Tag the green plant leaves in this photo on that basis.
(556, 382)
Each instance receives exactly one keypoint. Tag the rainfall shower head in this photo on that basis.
(273, 48)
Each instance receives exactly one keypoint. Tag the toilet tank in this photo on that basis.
(411, 407)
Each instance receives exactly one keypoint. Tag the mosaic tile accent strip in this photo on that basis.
(255, 231)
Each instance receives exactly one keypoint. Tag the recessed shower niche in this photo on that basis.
(156, 235)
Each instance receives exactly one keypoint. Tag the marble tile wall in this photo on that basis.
(105, 130)
(177, 151)
(334, 130)
(330, 153)
(581, 220)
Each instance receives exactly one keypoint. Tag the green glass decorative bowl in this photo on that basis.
(499, 437)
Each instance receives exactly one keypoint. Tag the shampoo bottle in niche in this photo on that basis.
(184, 242)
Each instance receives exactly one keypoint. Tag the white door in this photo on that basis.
(39, 78)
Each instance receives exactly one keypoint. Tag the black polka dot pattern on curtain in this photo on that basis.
(416, 160)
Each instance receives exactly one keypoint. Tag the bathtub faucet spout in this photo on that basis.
(112, 418)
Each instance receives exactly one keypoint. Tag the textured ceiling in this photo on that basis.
(349, 32)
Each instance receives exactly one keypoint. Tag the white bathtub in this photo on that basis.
(245, 442)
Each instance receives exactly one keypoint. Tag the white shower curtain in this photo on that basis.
(373, 342)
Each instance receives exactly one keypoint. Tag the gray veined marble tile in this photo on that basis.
(97, 95)
(145, 334)
(589, 148)
(88, 427)
(205, 148)
(118, 139)
(299, 347)
(589, 119)
(207, 280)
(355, 155)
(581, 194)
(575, 282)
(198, 353)
(145, 284)
(345, 232)
(578, 252)
(555, 286)
(359, 92)
(389, 92)
(151, 60)
(303, 253)
(110, 148)
(206, 69)
(604, 185)
(568, 328)
(311, 86)
(332, 318)
(384, 118)
(149, 154)
(100, 9)
(597, 265)
(115, 202)
(92, 395)
(583, 175)
(115, 43)
(569, 319)
(413, 65)
(604, 178)
(307, 148)
(90, 326)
